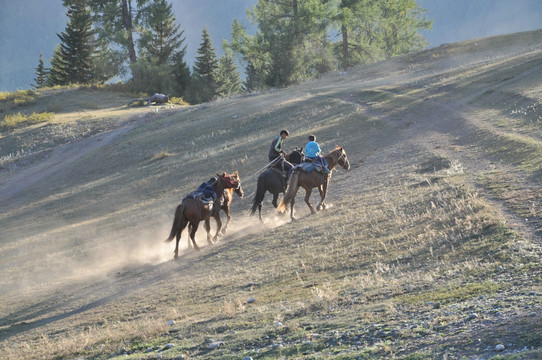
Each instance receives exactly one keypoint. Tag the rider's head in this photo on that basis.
(284, 133)
(312, 138)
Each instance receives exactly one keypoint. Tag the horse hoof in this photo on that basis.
(175, 256)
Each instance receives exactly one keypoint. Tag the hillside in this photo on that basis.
(430, 247)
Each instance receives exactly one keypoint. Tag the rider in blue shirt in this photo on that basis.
(312, 152)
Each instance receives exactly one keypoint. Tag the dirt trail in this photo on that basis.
(60, 157)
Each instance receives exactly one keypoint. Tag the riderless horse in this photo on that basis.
(193, 210)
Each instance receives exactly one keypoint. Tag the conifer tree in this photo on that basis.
(204, 81)
(228, 76)
(41, 74)
(181, 73)
(162, 36)
(77, 47)
(57, 74)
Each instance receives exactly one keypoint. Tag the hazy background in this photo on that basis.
(28, 27)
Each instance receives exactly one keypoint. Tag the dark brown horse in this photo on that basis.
(192, 211)
(272, 180)
(310, 180)
(228, 197)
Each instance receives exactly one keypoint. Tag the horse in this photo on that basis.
(272, 180)
(310, 180)
(192, 211)
(228, 197)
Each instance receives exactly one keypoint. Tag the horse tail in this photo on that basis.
(179, 213)
(260, 193)
(290, 192)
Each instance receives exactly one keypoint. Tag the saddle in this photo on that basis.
(309, 166)
(201, 197)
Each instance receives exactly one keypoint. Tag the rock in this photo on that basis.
(500, 347)
(247, 358)
(216, 344)
(169, 346)
(251, 300)
(170, 322)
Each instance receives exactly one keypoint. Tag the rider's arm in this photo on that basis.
(278, 145)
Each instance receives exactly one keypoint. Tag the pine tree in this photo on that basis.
(57, 74)
(41, 74)
(161, 37)
(181, 73)
(228, 76)
(204, 84)
(77, 47)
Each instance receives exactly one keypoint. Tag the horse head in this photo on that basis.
(343, 159)
(340, 158)
(230, 181)
(296, 156)
(238, 190)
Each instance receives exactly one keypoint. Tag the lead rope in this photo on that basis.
(258, 172)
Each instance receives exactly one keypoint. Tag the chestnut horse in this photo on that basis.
(310, 180)
(228, 197)
(192, 211)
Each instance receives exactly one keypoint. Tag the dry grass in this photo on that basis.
(422, 254)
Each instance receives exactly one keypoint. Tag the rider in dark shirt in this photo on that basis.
(276, 152)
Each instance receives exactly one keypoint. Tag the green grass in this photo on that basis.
(13, 121)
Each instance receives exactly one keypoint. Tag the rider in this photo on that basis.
(276, 153)
(312, 152)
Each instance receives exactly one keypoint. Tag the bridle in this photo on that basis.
(235, 184)
(341, 157)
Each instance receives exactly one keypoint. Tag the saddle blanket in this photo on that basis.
(200, 196)
(308, 167)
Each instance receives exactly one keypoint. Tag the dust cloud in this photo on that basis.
(127, 251)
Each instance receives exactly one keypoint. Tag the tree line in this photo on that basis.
(295, 40)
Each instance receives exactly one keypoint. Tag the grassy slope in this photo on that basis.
(431, 248)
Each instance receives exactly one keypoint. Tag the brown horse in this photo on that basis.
(310, 180)
(192, 211)
(228, 197)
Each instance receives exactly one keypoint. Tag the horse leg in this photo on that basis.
(275, 200)
(260, 212)
(323, 192)
(218, 225)
(307, 198)
(189, 245)
(181, 228)
(207, 226)
(227, 211)
(193, 229)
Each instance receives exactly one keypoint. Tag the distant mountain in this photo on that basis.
(28, 27)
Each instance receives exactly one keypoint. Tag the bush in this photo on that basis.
(13, 121)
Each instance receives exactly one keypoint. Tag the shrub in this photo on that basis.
(13, 121)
